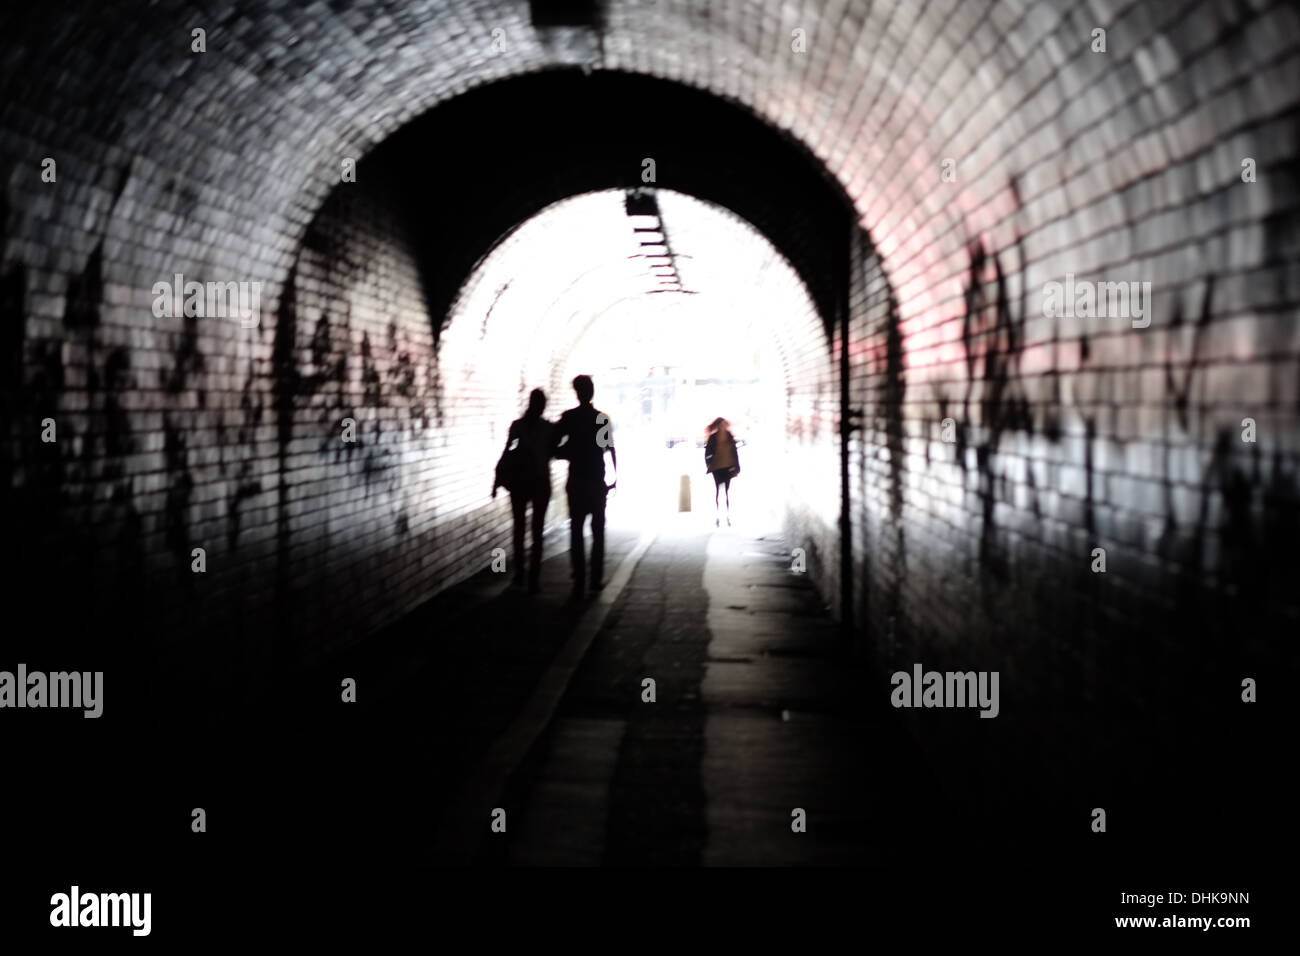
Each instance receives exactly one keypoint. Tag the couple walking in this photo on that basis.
(582, 436)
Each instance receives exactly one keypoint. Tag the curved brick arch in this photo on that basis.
(528, 142)
(892, 89)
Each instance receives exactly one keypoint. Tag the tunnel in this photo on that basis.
(999, 299)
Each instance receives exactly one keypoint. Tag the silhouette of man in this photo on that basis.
(582, 436)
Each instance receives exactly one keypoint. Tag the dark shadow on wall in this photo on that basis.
(891, 408)
(75, 542)
(1246, 521)
(347, 400)
(991, 332)
(891, 425)
(1131, 671)
(284, 388)
(244, 486)
(31, 472)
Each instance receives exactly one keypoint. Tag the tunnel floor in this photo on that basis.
(758, 748)
(487, 699)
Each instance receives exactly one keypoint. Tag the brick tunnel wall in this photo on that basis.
(374, 525)
(1117, 166)
(1173, 447)
(812, 499)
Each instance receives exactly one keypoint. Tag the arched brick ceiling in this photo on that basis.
(233, 150)
(473, 169)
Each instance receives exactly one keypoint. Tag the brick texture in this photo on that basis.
(1071, 433)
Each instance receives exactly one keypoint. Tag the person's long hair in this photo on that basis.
(719, 424)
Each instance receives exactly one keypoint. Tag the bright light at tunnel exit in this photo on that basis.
(680, 317)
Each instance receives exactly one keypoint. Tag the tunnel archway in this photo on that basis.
(573, 290)
(519, 154)
(528, 141)
(341, 301)
(989, 149)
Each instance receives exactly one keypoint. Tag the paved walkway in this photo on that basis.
(752, 720)
(489, 698)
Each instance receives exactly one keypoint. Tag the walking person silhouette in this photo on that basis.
(723, 462)
(582, 436)
(524, 470)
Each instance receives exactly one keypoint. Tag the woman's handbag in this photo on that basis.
(514, 468)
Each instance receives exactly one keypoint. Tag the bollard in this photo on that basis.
(684, 494)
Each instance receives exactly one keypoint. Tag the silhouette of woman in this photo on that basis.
(722, 461)
(525, 471)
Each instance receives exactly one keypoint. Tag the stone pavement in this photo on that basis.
(758, 713)
(489, 698)
(753, 718)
